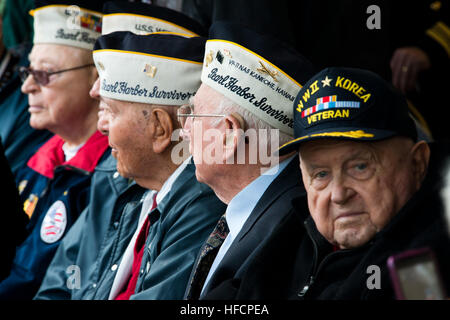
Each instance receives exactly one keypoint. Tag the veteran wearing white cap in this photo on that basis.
(103, 242)
(249, 82)
(54, 182)
(143, 81)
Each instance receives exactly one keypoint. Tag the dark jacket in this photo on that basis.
(306, 267)
(273, 206)
(54, 193)
(97, 240)
(187, 215)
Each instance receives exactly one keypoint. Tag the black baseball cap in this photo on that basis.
(351, 104)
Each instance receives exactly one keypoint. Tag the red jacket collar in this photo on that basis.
(51, 155)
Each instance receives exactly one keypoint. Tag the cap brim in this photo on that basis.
(348, 133)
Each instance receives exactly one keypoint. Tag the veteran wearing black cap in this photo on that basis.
(372, 192)
(249, 82)
(103, 242)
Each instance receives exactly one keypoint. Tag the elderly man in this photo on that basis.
(20, 140)
(106, 232)
(178, 213)
(372, 191)
(53, 185)
(248, 84)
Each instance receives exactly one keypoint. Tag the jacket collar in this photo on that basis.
(108, 165)
(51, 155)
(287, 179)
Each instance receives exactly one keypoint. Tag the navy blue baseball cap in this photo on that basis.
(352, 104)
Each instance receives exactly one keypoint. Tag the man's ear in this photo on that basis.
(420, 153)
(162, 129)
(234, 134)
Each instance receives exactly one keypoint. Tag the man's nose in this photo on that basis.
(102, 123)
(95, 90)
(29, 85)
(341, 191)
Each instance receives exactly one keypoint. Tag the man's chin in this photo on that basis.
(351, 238)
(37, 125)
(120, 169)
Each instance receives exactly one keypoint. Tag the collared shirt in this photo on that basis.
(70, 152)
(240, 208)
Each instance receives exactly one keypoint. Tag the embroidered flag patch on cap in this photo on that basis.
(349, 103)
(77, 24)
(256, 71)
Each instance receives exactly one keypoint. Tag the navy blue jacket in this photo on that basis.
(180, 225)
(97, 240)
(54, 193)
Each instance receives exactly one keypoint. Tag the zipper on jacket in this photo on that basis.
(44, 192)
(306, 287)
(315, 269)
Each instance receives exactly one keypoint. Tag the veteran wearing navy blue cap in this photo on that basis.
(372, 192)
(249, 82)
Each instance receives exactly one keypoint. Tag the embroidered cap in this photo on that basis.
(142, 18)
(258, 72)
(158, 68)
(73, 23)
(349, 103)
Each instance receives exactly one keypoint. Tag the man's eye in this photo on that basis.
(321, 174)
(361, 171)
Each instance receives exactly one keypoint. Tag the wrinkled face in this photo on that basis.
(64, 102)
(355, 188)
(202, 144)
(129, 135)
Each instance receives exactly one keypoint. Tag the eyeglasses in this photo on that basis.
(187, 110)
(42, 77)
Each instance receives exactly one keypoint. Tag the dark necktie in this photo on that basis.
(208, 253)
